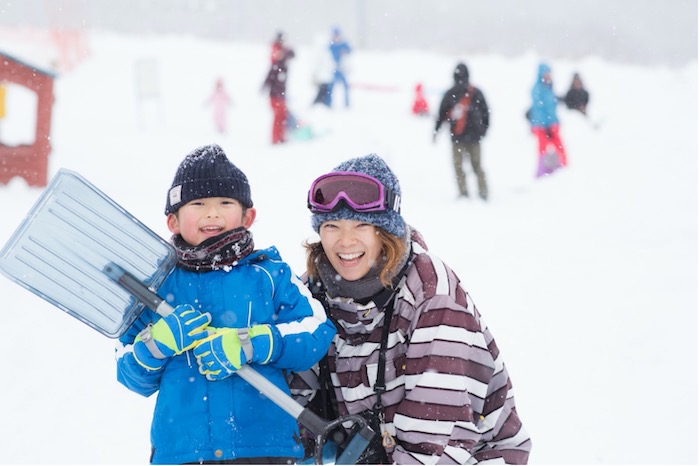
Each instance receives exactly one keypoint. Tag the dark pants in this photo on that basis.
(323, 96)
(473, 151)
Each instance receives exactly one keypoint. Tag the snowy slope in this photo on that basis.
(587, 279)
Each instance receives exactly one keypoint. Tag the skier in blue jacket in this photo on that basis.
(545, 123)
(235, 305)
(339, 48)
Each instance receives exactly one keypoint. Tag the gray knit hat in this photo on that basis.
(206, 172)
(389, 220)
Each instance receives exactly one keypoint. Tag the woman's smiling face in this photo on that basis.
(352, 247)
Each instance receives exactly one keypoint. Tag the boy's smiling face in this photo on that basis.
(204, 218)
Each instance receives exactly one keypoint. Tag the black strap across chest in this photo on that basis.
(380, 384)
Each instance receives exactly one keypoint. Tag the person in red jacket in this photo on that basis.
(420, 105)
(276, 82)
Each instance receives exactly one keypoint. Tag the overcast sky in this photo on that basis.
(630, 31)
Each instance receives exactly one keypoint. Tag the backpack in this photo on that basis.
(467, 116)
(458, 113)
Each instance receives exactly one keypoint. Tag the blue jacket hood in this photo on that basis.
(543, 112)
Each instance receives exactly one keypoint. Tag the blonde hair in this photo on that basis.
(393, 252)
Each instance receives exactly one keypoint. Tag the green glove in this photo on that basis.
(223, 353)
(171, 335)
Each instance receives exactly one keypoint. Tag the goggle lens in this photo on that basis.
(360, 192)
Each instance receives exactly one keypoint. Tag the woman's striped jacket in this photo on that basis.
(449, 398)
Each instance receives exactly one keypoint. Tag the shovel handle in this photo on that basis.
(136, 288)
(316, 424)
(151, 299)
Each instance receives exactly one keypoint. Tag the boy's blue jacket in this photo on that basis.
(195, 419)
(543, 112)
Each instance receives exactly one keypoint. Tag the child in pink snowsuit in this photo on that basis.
(219, 100)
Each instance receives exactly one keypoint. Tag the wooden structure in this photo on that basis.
(29, 161)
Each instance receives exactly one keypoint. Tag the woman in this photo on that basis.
(412, 353)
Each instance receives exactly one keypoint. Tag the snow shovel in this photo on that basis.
(77, 248)
(70, 234)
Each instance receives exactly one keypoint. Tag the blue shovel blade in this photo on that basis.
(68, 237)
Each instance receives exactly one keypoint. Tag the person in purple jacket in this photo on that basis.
(412, 354)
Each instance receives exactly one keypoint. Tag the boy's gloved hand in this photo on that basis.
(222, 354)
(171, 335)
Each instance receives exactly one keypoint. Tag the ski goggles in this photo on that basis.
(360, 192)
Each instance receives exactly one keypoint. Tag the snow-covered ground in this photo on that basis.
(587, 279)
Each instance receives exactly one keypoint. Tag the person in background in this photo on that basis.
(236, 305)
(464, 107)
(576, 97)
(323, 70)
(412, 355)
(276, 83)
(420, 105)
(544, 123)
(220, 101)
(339, 49)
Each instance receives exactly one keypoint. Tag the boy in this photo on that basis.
(235, 305)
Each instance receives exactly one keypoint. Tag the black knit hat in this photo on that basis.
(206, 172)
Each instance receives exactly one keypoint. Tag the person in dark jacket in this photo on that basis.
(464, 107)
(576, 97)
(276, 82)
(412, 355)
(236, 306)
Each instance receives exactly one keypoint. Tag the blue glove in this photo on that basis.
(225, 352)
(171, 335)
